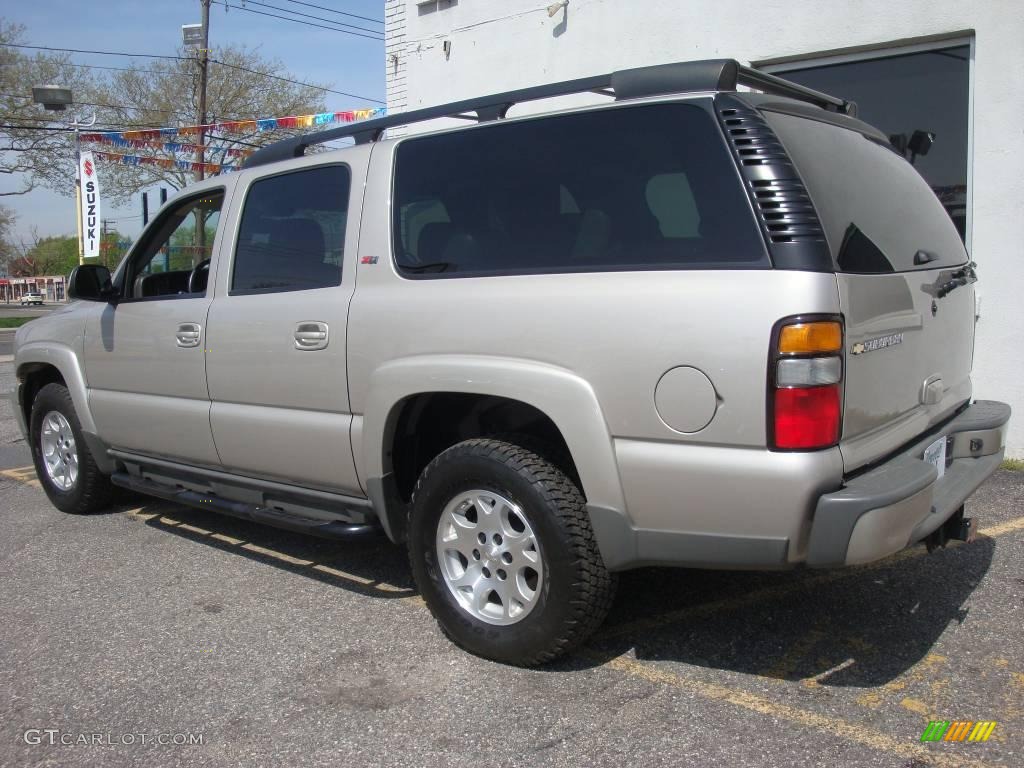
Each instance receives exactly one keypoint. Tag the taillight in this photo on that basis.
(805, 377)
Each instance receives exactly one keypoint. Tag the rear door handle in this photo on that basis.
(311, 335)
(188, 334)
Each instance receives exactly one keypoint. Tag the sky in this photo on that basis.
(339, 61)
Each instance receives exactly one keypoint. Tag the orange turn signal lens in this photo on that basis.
(811, 338)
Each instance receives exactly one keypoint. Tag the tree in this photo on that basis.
(7, 250)
(59, 255)
(150, 93)
(28, 145)
(164, 93)
(48, 256)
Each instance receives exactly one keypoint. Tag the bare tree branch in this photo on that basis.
(161, 93)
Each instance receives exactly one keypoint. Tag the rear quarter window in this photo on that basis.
(878, 213)
(632, 188)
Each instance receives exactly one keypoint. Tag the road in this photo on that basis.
(276, 649)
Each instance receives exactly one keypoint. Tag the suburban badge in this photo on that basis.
(880, 343)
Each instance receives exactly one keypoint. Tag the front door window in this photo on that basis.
(173, 261)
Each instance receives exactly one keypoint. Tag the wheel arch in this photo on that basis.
(38, 365)
(553, 395)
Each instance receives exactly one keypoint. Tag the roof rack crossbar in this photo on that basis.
(663, 79)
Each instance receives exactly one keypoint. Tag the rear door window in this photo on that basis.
(630, 188)
(879, 215)
(292, 233)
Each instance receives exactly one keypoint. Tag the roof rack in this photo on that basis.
(680, 77)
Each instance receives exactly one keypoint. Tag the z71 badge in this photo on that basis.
(880, 343)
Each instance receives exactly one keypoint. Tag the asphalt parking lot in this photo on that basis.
(276, 649)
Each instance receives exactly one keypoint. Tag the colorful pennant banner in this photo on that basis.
(161, 162)
(234, 126)
(169, 146)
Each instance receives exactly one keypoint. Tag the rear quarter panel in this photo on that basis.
(618, 331)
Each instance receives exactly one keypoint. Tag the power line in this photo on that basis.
(130, 69)
(310, 16)
(69, 130)
(169, 73)
(104, 106)
(340, 13)
(293, 82)
(100, 53)
(297, 21)
(189, 58)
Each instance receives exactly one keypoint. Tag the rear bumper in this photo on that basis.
(900, 502)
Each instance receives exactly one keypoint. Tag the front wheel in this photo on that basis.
(503, 553)
(64, 465)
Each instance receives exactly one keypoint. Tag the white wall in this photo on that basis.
(497, 46)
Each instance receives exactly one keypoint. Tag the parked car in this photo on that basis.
(32, 298)
(686, 327)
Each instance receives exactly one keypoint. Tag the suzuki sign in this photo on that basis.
(90, 206)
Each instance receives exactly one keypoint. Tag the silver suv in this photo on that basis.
(689, 327)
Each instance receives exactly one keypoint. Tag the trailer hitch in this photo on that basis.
(958, 528)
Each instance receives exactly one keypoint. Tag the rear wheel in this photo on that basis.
(64, 465)
(503, 553)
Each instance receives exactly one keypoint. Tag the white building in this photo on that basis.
(950, 68)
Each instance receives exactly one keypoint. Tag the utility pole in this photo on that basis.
(105, 225)
(204, 61)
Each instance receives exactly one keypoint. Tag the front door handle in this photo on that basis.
(311, 335)
(188, 334)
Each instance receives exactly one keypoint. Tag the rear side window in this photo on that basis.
(292, 234)
(631, 188)
(879, 215)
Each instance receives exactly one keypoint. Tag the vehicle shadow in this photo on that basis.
(850, 627)
(373, 567)
(857, 627)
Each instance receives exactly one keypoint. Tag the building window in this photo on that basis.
(920, 99)
(429, 6)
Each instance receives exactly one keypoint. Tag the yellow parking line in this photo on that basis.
(787, 663)
(275, 554)
(25, 475)
(815, 682)
(150, 512)
(916, 674)
(843, 729)
(364, 583)
(1000, 529)
(915, 705)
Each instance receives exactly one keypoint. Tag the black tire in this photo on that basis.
(92, 490)
(577, 590)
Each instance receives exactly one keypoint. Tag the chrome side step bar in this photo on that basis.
(278, 518)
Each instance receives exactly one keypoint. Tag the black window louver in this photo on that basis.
(784, 209)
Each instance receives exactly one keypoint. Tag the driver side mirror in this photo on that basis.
(91, 282)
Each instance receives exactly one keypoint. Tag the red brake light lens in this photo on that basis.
(807, 418)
